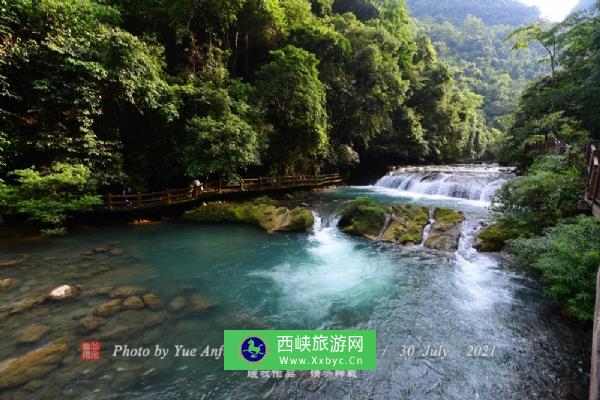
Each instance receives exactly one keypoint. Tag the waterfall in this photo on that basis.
(472, 182)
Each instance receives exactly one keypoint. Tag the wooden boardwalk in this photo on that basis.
(592, 194)
(191, 194)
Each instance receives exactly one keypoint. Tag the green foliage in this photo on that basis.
(362, 217)
(294, 98)
(48, 198)
(483, 59)
(567, 256)
(494, 238)
(548, 193)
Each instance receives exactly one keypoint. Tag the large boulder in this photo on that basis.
(362, 217)
(406, 224)
(493, 239)
(33, 365)
(446, 230)
(261, 212)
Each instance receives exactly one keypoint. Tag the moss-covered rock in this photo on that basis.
(261, 212)
(33, 365)
(406, 224)
(362, 217)
(446, 230)
(493, 238)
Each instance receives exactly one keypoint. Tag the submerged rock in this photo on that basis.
(128, 291)
(90, 324)
(27, 303)
(33, 333)
(6, 283)
(152, 301)
(406, 224)
(109, 309)
(33, 365)
(177, 304)
(133, 303)
(261, 212)
(16, 260)
(446, 230)
(62, 293)
(200, 304)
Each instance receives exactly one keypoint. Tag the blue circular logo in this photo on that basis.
(253, 349)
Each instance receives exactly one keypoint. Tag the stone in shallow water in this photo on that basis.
(33, 333)
(90, 324)
(446, 230)
(16, 260)
(27, 303)
(109, 309)
(33, 365)
(177, 304)
(63, 292)
(152, 301)
(202, 303)
(133, 303)
(116, 252)
(127, 291)
(6, 283)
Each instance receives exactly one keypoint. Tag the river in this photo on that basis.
(413, 297)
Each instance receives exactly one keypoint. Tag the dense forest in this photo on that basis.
(95, 94)
(473, 37)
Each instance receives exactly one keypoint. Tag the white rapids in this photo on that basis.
(476, 182)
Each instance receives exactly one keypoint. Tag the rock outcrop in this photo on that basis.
(446, 230)
(362, 217)
(492, 239)
(406, 224)
(260, 212)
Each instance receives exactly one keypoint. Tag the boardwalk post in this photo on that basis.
(242, 185)
(220, 185)
(139, 199)
(168, 196)
(109, 202)
(595, 372)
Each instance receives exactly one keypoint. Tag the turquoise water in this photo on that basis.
(322, 279)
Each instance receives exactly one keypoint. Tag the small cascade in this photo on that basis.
(427, 229)
(388, 219)
(470, 182)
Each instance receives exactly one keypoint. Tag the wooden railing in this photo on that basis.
(551, 145)
(191, 193)
(592, 194)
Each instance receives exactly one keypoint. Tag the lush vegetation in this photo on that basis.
(220, 89)
(472, 36)
(563, 105)
(540, 210)
(567, 257)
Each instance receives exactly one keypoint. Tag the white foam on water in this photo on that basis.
(476, 182)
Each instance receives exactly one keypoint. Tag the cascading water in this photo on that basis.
(472, 182)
